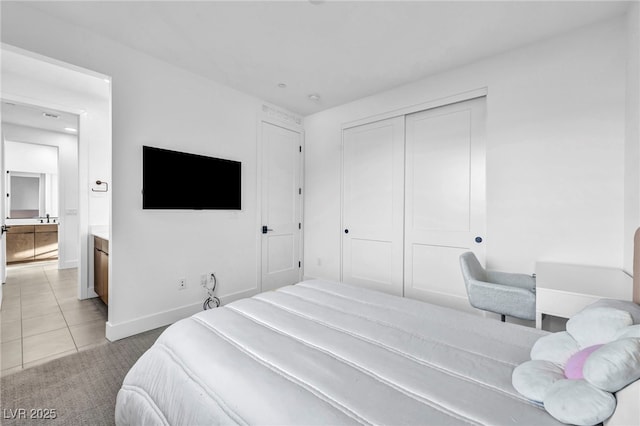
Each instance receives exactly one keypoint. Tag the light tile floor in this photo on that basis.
(42, 319)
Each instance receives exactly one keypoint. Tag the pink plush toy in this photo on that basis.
(575, 373)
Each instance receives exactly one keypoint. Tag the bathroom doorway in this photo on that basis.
(41, 184)
(32, 79)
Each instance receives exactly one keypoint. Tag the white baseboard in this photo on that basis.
(68, 264)
(121, 330)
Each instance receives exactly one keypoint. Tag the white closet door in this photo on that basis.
(373, 205)
(445, 199)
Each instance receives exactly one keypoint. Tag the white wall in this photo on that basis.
(632, 135)
(555, 147)
(26, 154)
(66, 161)
(158, 104)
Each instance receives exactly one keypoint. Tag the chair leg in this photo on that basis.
(502, 318)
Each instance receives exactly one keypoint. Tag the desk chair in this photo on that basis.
(499, 292)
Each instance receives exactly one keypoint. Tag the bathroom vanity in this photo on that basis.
(101, 266)
(31, 243)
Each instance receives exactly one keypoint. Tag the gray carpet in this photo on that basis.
(81, 388)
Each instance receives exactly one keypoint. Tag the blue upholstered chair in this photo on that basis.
(499, 292)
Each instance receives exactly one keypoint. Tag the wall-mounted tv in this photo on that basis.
(179, 180)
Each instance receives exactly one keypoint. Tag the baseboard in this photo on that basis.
(139, 325)
(68, 264)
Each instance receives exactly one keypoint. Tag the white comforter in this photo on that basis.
(321, 352)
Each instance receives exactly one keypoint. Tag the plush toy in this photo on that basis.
(574, 373)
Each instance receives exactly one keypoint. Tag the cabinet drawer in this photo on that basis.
(46, 228)
(20, 229)
(562, 304)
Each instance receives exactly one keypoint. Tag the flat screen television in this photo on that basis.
(179, 180)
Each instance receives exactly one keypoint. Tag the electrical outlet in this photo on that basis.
(182, 283)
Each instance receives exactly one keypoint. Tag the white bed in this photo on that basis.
(321, 352)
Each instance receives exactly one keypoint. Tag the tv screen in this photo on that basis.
(178, 180)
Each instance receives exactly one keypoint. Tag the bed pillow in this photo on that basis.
(574, 373)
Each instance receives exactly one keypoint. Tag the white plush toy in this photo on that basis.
(574, 373)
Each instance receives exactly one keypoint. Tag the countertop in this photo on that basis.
(100, 232)
(18, 222)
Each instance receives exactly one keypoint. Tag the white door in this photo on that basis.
(373, 164)
(445, 199)
(281, 202)
(3, 214)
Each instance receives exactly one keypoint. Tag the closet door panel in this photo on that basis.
(445, 199)
(373, 197)
(440, 179)
(429, 258)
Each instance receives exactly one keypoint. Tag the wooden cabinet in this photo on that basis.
(101, 268)
(46, 242)
(28, 243)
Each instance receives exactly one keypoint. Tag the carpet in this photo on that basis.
(79, 389)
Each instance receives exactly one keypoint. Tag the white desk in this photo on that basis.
(563, 290)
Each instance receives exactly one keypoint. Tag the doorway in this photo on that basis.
(29, 78)
(40, 164)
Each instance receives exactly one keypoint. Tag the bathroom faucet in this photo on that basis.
(47, 217)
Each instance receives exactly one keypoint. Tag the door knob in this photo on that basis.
(265, 229)
(478, 240)
(346, 231)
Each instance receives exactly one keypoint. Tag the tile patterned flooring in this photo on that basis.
(42, 319)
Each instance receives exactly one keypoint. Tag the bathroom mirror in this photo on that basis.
(31, 195)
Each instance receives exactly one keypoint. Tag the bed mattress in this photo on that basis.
(322, 352)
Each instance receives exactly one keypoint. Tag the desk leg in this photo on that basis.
(539, 320)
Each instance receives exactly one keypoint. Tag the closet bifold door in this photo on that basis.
(444, 199)
(373, 200)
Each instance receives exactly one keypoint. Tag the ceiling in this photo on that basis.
(40, 118)
(339, 50)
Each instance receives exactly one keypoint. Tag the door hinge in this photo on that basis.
(299, 191)
(300, 148)
(299, 264)
(299, 225)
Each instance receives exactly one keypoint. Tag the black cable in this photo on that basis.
(211, 299)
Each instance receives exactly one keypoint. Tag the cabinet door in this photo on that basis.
(104, 277)
(97, 276)
(20, 247)
(46, 245)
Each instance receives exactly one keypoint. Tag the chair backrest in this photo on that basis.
(471, 268)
